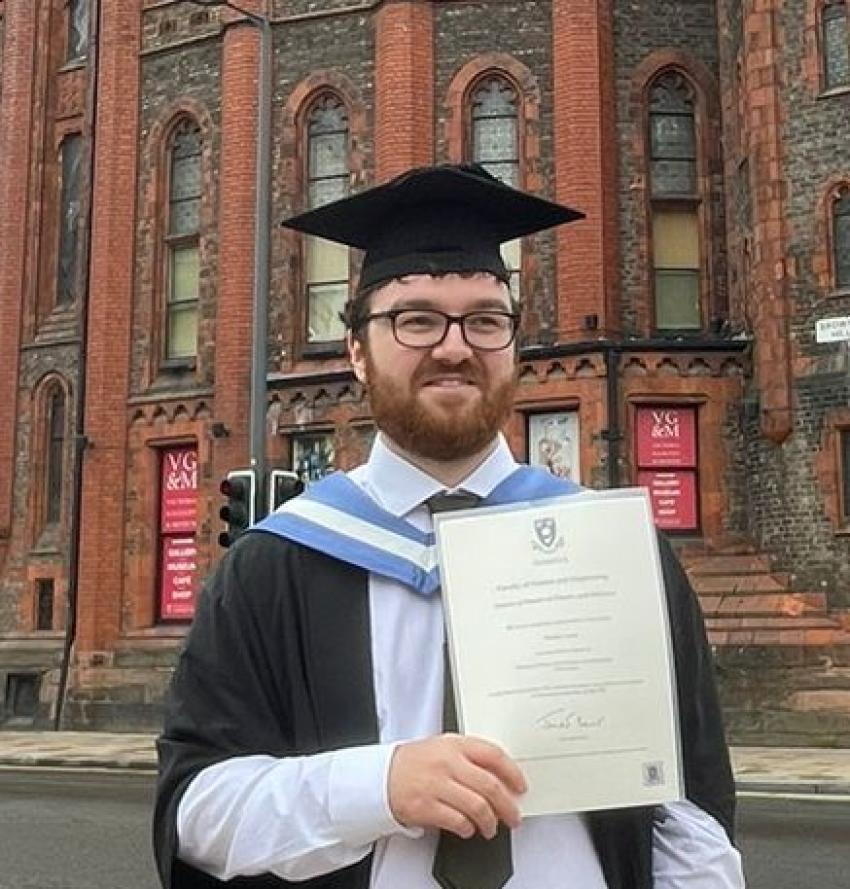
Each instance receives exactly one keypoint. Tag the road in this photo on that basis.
(90, 830)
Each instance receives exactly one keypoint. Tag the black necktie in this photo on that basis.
(476, 863)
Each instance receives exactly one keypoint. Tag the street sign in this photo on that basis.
(833, 330)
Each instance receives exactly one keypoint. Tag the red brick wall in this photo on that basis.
(240, 56)
(765, 116)
(15, 147)
(585, 163)
(404, 88)
(110, 310)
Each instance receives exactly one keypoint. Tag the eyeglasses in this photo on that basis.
(488, 331)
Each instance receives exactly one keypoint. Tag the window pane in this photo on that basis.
(494, 98)
(673, 178)
(55, 456)
(71, 161)
(495, 139)
(185, 180)
(325, 302)
(326, 261)
(328, 155)
(78, 29)
(182, 332)
(184, 274)
(313, 456)
(675, 238)
(672, 136)
(841, 237)
(845, 474)
(836, 45)
(44, 604)
(323, 191)
(677, 300)
(507, 173)
(512, 256)
(328, 115)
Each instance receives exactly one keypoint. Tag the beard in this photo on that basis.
(429, 431)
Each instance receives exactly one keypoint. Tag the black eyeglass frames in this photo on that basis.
(488, 330)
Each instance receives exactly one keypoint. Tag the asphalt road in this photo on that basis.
(91, 830)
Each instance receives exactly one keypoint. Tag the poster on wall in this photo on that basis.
(666, 437)
(178, 521)
(553, 443)
(179, 564)
(179, 491)
(673, 496)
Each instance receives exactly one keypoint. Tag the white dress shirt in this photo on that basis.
(300, 817)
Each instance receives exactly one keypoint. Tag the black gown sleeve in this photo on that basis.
(229, 695)
(707, 770)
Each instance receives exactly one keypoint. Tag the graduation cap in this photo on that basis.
(433, 220)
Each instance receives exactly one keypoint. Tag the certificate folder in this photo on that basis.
(560, 648)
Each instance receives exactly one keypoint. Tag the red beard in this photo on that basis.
(432, 433)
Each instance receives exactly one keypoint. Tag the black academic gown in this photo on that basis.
(278, 661)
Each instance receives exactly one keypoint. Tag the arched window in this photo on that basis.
(182, 242)
(835, 44)
(70, 162)
(674, 193)
(841, 237)
(78, 30)
(495, 145)
(327, 179)
(55, 462)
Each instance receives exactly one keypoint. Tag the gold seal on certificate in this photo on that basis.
(560, 647)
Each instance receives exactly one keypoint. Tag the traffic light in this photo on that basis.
(283, 485)
(239, 513)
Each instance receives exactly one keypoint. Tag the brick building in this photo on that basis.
(676, 338)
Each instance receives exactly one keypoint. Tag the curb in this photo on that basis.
(838, 788)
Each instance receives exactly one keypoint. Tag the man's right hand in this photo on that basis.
(455, 783)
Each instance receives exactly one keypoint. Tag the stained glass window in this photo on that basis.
(78, 29)
(184, 212)
(495, 145)
(55, 455)
(71, 166)
(841, 237)
(326, 263)
(836, 44)
(672, 136)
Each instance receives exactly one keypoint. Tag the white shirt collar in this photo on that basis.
(400, 487)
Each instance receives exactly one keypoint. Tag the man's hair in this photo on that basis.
(356, 309)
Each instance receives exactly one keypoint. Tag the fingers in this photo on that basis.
(463, 785)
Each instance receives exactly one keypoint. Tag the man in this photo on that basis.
(304, 736)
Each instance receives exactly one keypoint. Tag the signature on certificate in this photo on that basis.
(564, 719)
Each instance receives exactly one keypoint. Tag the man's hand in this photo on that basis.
(455, 783)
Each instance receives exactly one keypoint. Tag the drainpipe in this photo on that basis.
(80, 439)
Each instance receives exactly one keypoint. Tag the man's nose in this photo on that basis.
(454, 348)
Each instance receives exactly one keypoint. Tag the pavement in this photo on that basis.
(772, 770)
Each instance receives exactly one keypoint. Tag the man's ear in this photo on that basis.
(356, 356)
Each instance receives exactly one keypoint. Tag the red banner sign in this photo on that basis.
(674, 498)
(179, 564)
(666, 437)
(179, 495)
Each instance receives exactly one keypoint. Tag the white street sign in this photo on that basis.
(833, 330)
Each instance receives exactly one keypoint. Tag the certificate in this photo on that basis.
(560, 647)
